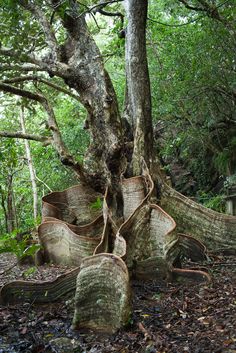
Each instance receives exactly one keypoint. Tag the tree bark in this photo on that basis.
(10, 206)
(30, 165)
(3, 201)
(88, 77)
(43, 139)
(138, 83)
(215, 230)
(57, 141)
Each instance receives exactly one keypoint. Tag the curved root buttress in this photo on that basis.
(106, 251)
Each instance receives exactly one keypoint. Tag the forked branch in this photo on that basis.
(44, 139)
(50, 37)
(210, 10)
(36, 78)
(58, 143)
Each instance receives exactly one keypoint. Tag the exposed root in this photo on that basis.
(144, 244)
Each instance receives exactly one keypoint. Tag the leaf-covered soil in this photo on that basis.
(167, 317)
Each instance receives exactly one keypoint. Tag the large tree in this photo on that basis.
(131, 234)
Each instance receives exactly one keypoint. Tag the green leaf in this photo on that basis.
(97, 204)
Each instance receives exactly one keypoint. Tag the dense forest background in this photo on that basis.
(191, 54)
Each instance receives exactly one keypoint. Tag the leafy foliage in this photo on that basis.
(9, 243)
(215, 202)
(97, 205)
(193, 79)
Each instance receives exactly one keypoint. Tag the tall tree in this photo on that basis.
(30, 165)
(130, 232)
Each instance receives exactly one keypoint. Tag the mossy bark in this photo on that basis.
(215, 230)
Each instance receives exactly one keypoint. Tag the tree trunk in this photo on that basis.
(3, 203)
(31, 166)
(138, 98)
(10, 205)
(129, 235)
(87, 75)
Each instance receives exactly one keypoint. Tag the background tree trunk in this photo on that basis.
(10, 206)
(3, 204)
(30, 165)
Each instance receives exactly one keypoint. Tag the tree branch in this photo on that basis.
(20, 92)
(190, 7)
(56, 68)
(45, 25)
(101, 4)
(175, 25)
(41, 181)
(19, 56)
(108, 13)
(23, 68)
(210, 10)
(42, 80)
(65, 156)
(43, 139)
(58, 143)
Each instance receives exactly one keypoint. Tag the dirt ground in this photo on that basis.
(167, 317)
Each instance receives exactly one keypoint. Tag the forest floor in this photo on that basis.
(167, 317)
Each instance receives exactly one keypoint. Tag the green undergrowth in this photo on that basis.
(21, 248)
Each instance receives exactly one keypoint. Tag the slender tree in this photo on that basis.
(30, 165)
